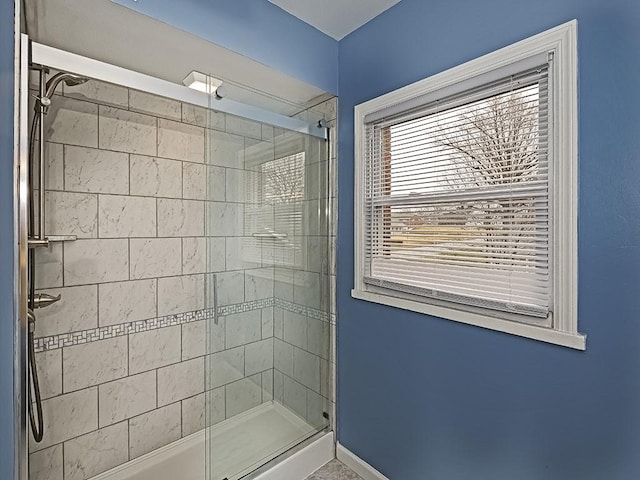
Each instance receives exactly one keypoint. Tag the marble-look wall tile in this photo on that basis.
(267, 322)
(95, 171)
(325, 380)
(240, 186)
(258, 284)
(278, 323)
(306, 369)
(156, 177)
(243, 253)
(72, 122)
(126, 301)
(230, 288)
(76, 310)
(317, 254)
(49, 266)
(267, 385)
(194, 339)
(243, 395)
(283, 356)
(215, 405)
(203, 182)
(194, 255)
(306, 289)
(161, 257)
(203, 117)
(49, 364)
(180, 218)
(54, 164)
(180, 141)
(127, 398)
(95, 261)
(96, 452)
(216, 254)
(283, 287)
(225, 367)
(318, 337)
(68, 416)
(257, 153)
(154, 430)
(316, 406)
(46, 464)
(216, 183)
(295, 396)
(258, 356)
(71, 214)
(125, 131)
(243, 328)
(244, 127)
(180, 294)
(180, 381)
(99, 92)
(94, 363)
(295, 329)
(154, 105)
(225, 219)
(278, 386)
(194, 181)
(126, 217)
(215, 331)
(193, 414)
(225, 150)
(154, 349)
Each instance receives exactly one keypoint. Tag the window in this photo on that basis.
(466, 193)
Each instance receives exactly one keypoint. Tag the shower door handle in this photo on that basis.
(215, 298)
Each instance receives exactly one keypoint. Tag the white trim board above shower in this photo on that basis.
(70, 62)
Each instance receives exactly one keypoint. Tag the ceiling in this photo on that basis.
(336, 18)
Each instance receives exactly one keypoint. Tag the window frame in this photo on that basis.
(561, 43)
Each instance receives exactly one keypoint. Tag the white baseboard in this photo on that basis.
(355, 463)
(303, 463)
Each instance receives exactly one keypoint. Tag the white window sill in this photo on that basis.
(556, 337)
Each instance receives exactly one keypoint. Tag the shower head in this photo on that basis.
(69, 79)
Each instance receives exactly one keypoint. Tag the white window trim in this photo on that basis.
(562, 41)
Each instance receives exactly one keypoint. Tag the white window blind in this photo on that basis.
(456, 196)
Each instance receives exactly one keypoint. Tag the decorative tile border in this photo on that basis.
(54, 342)
(102, 333)
(302, 310)
(245, 307)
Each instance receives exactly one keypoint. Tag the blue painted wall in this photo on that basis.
(6, 238)
(423, 398)
(254, 28)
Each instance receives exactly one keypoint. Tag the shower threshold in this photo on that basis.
(237, 447)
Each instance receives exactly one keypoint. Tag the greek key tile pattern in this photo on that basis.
(93, 335)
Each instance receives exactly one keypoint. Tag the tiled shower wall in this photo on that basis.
(305, 312)
(122, 356)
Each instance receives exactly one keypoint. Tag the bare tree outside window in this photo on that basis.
(488, 144)
(283, 180)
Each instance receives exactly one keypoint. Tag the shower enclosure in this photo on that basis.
(189, 250)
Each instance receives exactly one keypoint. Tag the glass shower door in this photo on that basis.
(267, 382)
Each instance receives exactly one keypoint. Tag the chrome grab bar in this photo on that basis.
(215, 298)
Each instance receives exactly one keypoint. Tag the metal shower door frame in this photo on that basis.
(21, 217)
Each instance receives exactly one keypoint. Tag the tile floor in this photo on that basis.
(334, 470)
